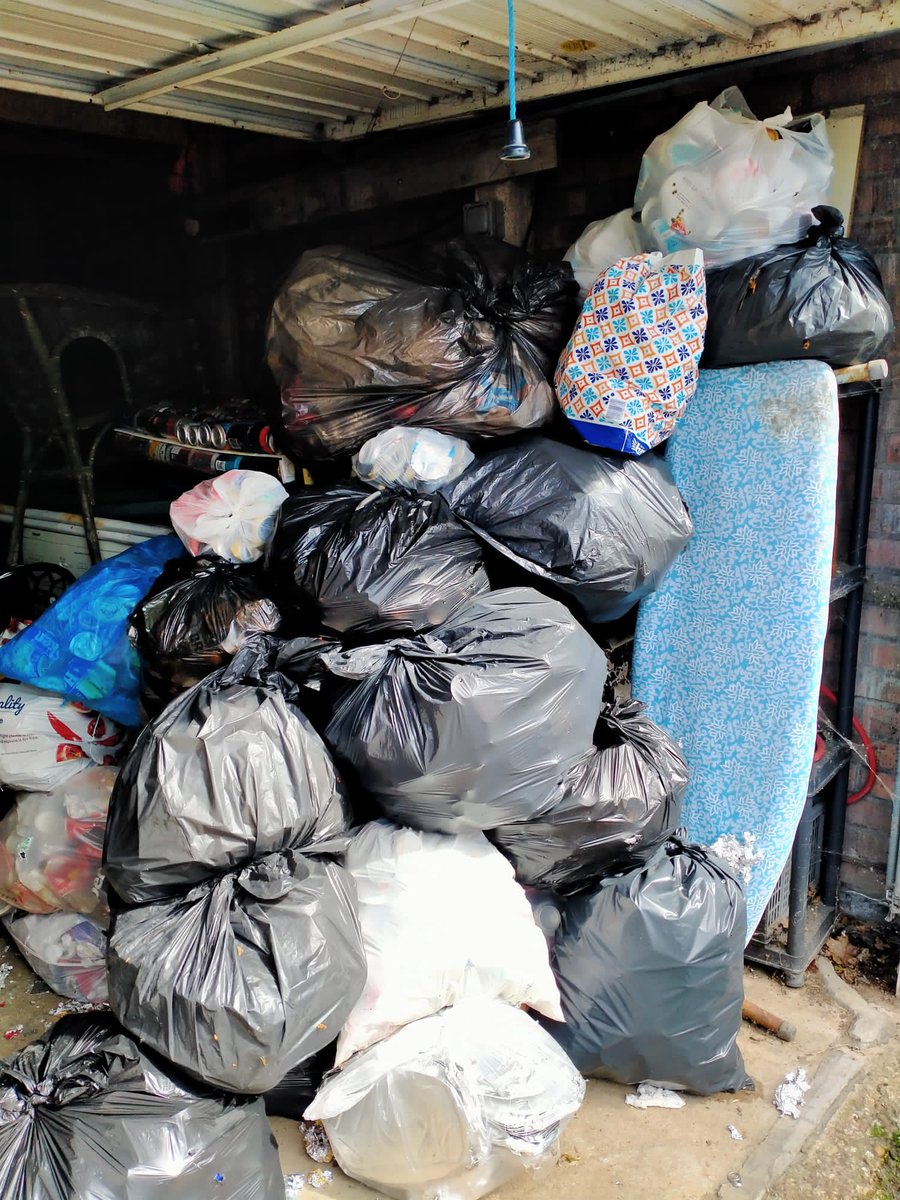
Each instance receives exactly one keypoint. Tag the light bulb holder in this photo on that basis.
(516, 148)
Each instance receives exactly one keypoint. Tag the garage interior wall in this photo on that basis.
(167, 210)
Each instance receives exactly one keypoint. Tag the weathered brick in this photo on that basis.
(880, 621)
(862, 878)
(838, 87)
(866, 845)
(882, 121)
(879, 155)
(878, 684)
(883, 552)
(886, 485)
(893, 449)
(873, 812)
(880, 719)
(879, 652)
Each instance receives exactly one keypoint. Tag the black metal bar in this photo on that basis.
(801, 856)
(846, 691)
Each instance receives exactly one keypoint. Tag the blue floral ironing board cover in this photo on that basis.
(728, 653)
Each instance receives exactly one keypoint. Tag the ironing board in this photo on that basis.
(728, 653)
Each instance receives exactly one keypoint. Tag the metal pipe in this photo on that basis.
(798, 896)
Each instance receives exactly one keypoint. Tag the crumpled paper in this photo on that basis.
(740, 854)
(649, 1095)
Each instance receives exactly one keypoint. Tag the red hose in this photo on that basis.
(871, 762)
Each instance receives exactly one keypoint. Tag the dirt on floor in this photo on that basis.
(611, 1150)
(857, 1157)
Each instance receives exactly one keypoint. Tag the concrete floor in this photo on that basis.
(609, 1150)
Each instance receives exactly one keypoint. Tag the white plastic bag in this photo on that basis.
(451, 1106)
(421, 460)
(731, 185)
(442, 919)
(67, 950)
(232, 515)
(51, 846)
(604, 242)
(46, 740)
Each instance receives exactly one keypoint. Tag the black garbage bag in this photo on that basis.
(650, 971)
(293, 1094)
(623, 793)
(473, 724)
(192, 621)
(820, 298)
(465, 343)
(231, 771)
(603, 529)
(244, 975)
(365, 562)
(88, 1114)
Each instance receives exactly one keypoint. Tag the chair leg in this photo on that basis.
(17, 532)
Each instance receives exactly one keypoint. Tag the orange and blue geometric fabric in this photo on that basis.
(631, 365)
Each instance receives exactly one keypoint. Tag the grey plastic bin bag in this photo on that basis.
(650, 971)
(623, 793)
(231, 771)
(87, 1114)
(603, 529)
(476, 723)
(246, 975)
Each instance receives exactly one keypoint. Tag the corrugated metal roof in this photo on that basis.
(316, 69)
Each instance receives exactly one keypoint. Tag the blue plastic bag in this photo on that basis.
(80, 648)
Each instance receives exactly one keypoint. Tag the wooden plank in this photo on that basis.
(77, 117)
(455, 161)
(516, 200)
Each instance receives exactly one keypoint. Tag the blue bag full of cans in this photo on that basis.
(80, 648)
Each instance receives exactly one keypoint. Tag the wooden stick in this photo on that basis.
(766, 1020)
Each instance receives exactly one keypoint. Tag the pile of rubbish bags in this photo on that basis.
(331, 797)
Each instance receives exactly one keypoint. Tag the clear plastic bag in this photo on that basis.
(232, 516)
(368, 562)
(46, 741)
(67, 950)
(452, 1106)
(86, 1112)
(80, 647)
(465, 343)
(731, 185)
(443, 919)
(632, 363)
(51, 846)
(419, 460)
(473, 724)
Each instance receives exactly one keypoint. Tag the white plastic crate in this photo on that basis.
(57, 537)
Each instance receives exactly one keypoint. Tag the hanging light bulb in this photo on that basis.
(516, 148)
